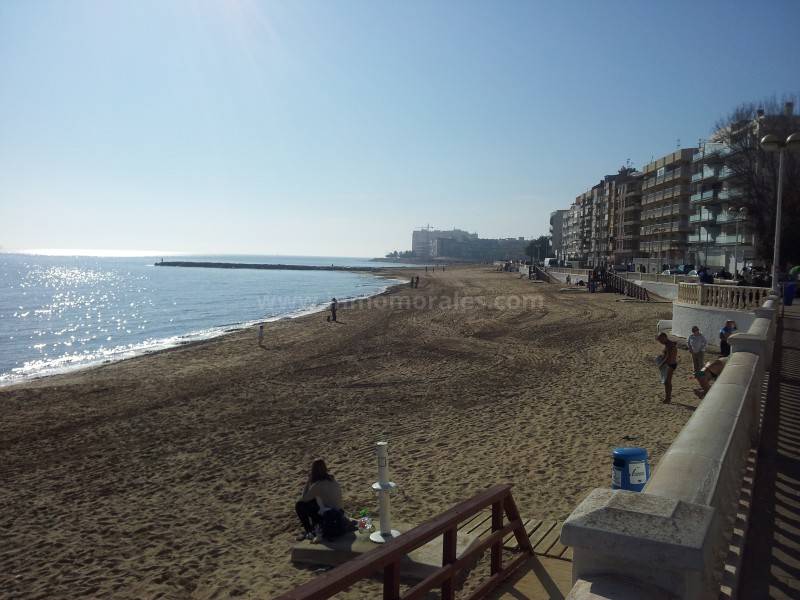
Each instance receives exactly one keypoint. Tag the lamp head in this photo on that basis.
(793, 142)
(770, 143)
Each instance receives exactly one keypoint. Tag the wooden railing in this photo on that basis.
(722, 296)
(615, 283)
(388, 556)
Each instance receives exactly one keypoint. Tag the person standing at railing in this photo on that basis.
(724, 333)
(697, 346)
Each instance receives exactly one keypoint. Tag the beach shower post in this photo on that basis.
(383, 486)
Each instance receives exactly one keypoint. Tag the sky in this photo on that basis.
(335, 128)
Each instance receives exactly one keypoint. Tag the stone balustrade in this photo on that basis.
(659, 278)
(723, 296)
(579, 272)
(670, 540)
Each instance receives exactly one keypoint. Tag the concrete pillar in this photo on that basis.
(659, 543)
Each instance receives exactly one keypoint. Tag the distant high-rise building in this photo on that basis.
(457, 244)
(423, 240)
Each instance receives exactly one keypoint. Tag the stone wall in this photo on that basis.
(669, 541)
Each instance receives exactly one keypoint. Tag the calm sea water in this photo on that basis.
(64, 312)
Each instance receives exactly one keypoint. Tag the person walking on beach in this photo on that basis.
(416, 285)
(724, 333)
(667, 362)
(261, 334)
(333, 309)
(697, 346)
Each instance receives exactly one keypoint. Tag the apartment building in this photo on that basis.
(624, 217)
(598, 224)
(577, 230)
(557, 229)
(720, 237)
(665, 207)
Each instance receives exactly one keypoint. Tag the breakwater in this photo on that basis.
(268, 266)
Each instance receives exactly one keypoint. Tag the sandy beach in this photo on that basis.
(174, 475)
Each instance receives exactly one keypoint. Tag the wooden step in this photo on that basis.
(544, 535)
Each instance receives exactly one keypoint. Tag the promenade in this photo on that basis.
(771, 566)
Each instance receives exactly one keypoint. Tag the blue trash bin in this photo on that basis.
(630, 470)
(789, 289)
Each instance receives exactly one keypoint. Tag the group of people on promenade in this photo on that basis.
(705, 372)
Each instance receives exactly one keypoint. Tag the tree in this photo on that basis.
(755, 173)
(540, 247)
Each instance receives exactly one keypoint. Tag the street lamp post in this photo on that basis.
(738, 212)
(771, 143)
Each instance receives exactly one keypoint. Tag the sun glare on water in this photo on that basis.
(101, 252)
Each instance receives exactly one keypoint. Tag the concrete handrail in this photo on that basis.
(674, 534)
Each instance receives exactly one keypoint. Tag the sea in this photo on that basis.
(60, 312)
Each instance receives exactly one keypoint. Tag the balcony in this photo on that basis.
(726, 217)
(711, 150)
(704, 196)
(701, 217)
(732, 240)
(730, 194)
(724, 173)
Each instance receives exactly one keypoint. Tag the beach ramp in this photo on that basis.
(486, 524)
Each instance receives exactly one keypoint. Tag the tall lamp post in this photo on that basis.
(739, 212)
(772, 143)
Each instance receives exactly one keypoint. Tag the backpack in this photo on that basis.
(335, 523)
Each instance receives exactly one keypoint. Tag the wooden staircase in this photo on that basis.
(543, 275)
(620, 285)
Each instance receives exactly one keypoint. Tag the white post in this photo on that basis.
(383, 486)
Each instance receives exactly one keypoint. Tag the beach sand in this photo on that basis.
(175, 474)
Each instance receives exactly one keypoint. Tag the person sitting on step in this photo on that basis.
(321, 493)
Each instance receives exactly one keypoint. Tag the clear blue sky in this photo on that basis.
(335, 128)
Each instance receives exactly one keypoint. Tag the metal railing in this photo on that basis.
(387, 557)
